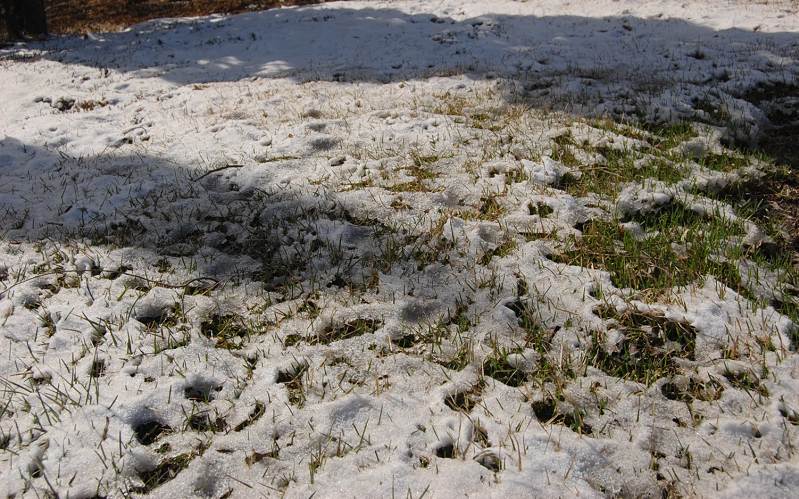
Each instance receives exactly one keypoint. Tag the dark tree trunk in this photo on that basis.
(24, 18)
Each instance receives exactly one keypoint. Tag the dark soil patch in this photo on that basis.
(547, 411)
(466, 400)
(256, 413)
(148, 431)
(501, 370)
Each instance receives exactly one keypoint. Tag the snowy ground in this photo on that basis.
(383, 249)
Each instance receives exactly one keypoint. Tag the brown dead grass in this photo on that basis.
(76, 16)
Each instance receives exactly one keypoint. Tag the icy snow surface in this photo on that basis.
(275, 254)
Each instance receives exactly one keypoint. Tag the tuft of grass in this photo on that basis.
(466, 400)
(506, 248)
(724, 162)
(490, 208)
(258, 411)
(695, 390)
(680, 249)
(147, 432)
(343, 331)
(203, 422)
(668, 135)
(229, 331)
(497, 366)
(463, 356)
(292, 379)
(620, 166)
(651, 343)
(549, 411)
(540, 209)
(535, 335)
(421, 171)
(563, 147)
(746, 381)
(165, 471)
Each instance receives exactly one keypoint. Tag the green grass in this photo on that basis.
(497, 366)
(667, 136)
(540, 209)
(695, 390)
(549, 411)
(507, 247)
(653, 263)
(724, 162)
(620, 167)
(345, 330)
(662, 136)
(647, 352)
(229, 331)
(746, 381)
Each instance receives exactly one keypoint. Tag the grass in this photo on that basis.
(681, 248)
(497, 366)
(466, 400)
(507, 247)
(535, 335)
(147, 432)
(549, 411)
(291, 378)
(647, 351)
(620, 166)
(346, 330)
(422, 172)
(229, 331)
(165, 471)
(706, 391)
(463, 356)
(540, 209)
(747, 381)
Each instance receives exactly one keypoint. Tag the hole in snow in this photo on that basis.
(148, 431)
(446, 451)
(201, 391)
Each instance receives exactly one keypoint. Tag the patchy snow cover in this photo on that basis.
(287, 254)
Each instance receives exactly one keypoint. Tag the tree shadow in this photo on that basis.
(653, 69)
(214, 227)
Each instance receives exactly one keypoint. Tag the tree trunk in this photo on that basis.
(24, 18)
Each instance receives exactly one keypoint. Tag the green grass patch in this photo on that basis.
(229, 331)
(647, 352)
(681, 249)
(621, 166)
(498, 367)
(345, 330)
(667, 136)
(506, 248)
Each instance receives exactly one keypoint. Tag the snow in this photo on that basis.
(260, 168)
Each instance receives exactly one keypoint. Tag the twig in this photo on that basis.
(216, 170)
(151, 281)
